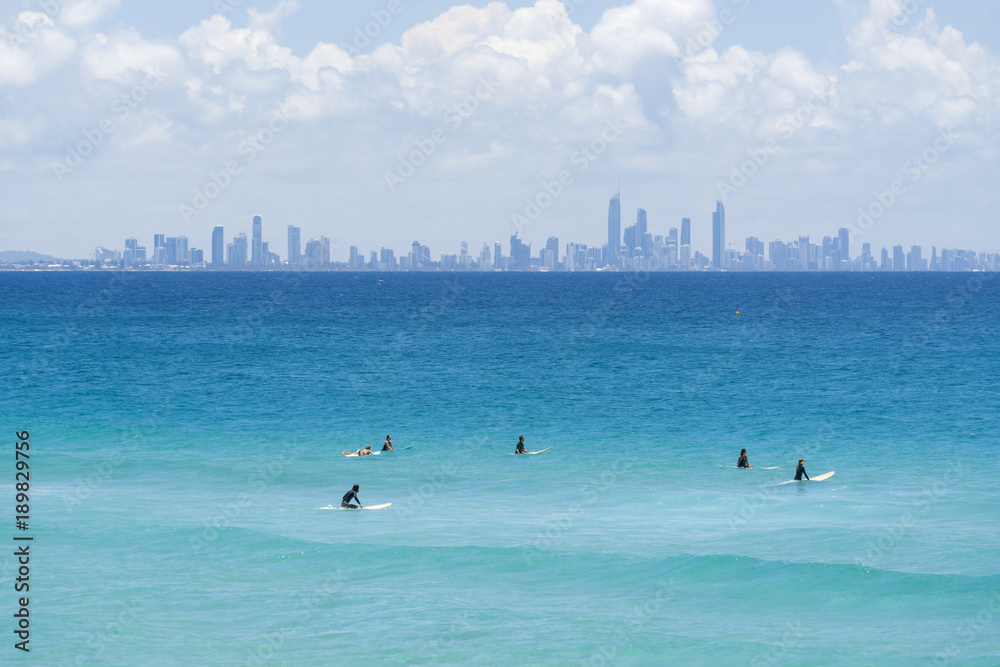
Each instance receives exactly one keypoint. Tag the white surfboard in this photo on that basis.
(378, 453)
(739, 468)
(538, 452)
(818, 478)
(366, 507)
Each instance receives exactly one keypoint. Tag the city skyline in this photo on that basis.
(633, 249)
(362, 124)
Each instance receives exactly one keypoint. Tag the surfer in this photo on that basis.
(348, 497)
(801, 470)
(387, 446)
(743, 462)
(361, 452)
(520, 446)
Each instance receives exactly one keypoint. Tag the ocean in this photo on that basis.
(186, 427)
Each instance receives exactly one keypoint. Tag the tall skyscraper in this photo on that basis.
(520, 254)
(845, 246)
(898, 258)
(685, 231)
(239, 255)
(257, 252)
(614, 229)
(218, 248)
(719, 236)
(294, 245)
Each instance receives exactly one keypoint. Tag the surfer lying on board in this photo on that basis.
(348, 497)
(743, 462)
(387, 446)
(801, 470)
(361, 452)
(520, 446)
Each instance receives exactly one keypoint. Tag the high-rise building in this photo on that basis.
(497, 255)
(257, 251)
(886, 263)
(218, 247)
(324, 251)
(294, 245)
(520, 254)
(239, 256)
(355, 260)
(719, 236)
(170, 251)
(898, 258)
(845, 246)
(614, 229)
(804, 253)
(685, 231)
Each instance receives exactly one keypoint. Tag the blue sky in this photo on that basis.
(192, 117)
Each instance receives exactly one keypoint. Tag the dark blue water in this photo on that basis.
(186, 427)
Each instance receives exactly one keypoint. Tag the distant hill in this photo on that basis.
(24, 256)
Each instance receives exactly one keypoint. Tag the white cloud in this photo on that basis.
(551, 87)
(80, 13)
(31, 48)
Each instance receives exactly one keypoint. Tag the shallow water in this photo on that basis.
(185, 427)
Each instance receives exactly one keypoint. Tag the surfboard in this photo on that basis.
(818, 478)
(538, 452)
(739, 468)
(366, 507)
(378, 453)
(401, 449)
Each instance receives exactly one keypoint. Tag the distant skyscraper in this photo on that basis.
(804, 253)
(685, 231)
(845, 246)
(218, 248)
(239, 257)
(520, 254)
(257, 256)
(719, 236)
(497, 255)
(294, 245)
(898, 258)
(614, 229)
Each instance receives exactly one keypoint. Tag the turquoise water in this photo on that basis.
(185, 427)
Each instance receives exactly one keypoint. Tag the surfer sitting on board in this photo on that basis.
(387, 447)
(361, 452)
(348, 497)
(520, 446)
(743, 462)
(800, 471)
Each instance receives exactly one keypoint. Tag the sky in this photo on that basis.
(380, 122)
